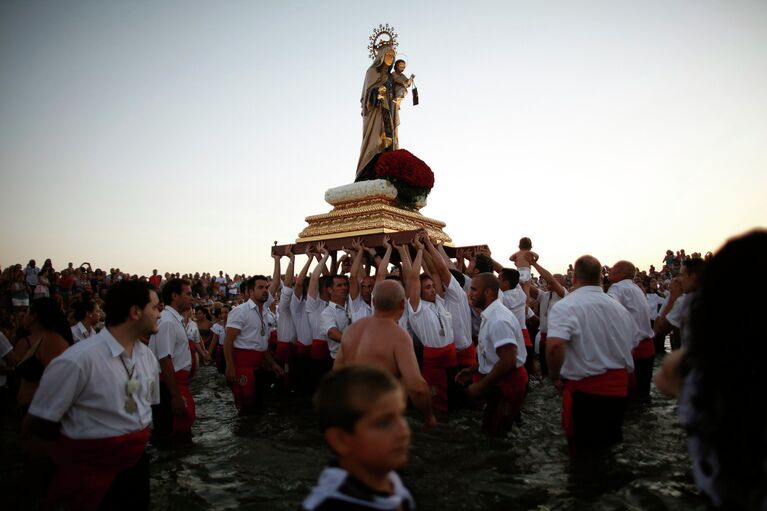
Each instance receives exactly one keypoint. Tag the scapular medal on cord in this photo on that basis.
(131, 387)
(415, 94)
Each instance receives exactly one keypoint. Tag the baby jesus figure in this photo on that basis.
(401, 82)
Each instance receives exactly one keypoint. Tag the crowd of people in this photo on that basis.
(101, 361)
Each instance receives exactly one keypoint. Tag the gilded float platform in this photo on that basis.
(372, 215)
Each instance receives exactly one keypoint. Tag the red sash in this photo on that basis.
(246, 363)
(303, 350)
(320, 350)
(195, 359)
(282, 353)
(184, 424)
(435, 361)
(513, 388)
(526, 335)
(273, 340)
(614, 382)
(645, 349)
(468, 356)
(87, 468)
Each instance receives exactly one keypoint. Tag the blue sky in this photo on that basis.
(188, 136)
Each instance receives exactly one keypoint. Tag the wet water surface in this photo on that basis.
(271, 461)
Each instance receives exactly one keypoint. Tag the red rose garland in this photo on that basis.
(401, 166)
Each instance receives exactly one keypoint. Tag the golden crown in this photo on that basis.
(383, 35)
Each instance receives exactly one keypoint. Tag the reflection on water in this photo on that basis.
(270, 462)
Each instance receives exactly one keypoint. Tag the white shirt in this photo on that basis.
(499, 327)
(432, 323)
(84, 389)
(171, 339)
(219, 330)
(314, 308)
(251, 321)
(5, 348)
(301, 320)
(286, 330)
(334, 316)
(514, 300)
(360, 309)
(634, 300)
(655, 301)
(457, 304)
(193, 331)
(80, 333)
(546, 300)
(599, 332)
(679, 315)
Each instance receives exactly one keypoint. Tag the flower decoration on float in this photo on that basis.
(383, 35)
(410, 175)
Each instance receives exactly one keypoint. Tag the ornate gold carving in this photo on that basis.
(369, 216)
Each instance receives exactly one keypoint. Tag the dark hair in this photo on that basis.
(694, 265)
(205, 312)
(173, 286)
(588, 270)
(398, 61)
(525, 243)
(458, 276)
(483, 264)
(326, 281)
(729, 391)
(82, 307)
(344, 395)
(511, 276)
(49, 315)
(487, 281)
(122, 296)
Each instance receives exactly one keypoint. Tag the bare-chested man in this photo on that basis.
(379, 340)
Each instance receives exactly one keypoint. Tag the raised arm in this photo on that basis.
(274, 285)
(554, 284)
(291, 265)
(414, 278)
(383, 265)
(428, 267)
(314, 281)
(354, 271)
(299, 288)
(440, 266)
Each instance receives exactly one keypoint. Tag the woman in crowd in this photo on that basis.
(49, 336)
(722, 390)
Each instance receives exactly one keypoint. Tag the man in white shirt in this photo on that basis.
(174, 416)
(87, 313)
(628, 294)
(337, 315)
(546, 300)
(94, 402)
(514, 298)
(301, 369)
(433, 325)
(317, 297)
(589, 355)
(502, 356)
(246, 346)
(286, 330)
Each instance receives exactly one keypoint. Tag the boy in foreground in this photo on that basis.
(361, 412)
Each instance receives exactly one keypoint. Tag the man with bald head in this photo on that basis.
(628, 294)
(588, 351)
(501, 358)
(379, 340)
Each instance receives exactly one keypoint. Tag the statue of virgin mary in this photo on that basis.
(380, 115)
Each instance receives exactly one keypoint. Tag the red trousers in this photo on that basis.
(87, 468)
(504, 401)
(246, 363)
(436, 361)
(614, 383)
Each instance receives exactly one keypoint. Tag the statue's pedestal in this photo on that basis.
(369, 210)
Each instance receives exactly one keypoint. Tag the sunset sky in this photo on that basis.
(190, 135)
